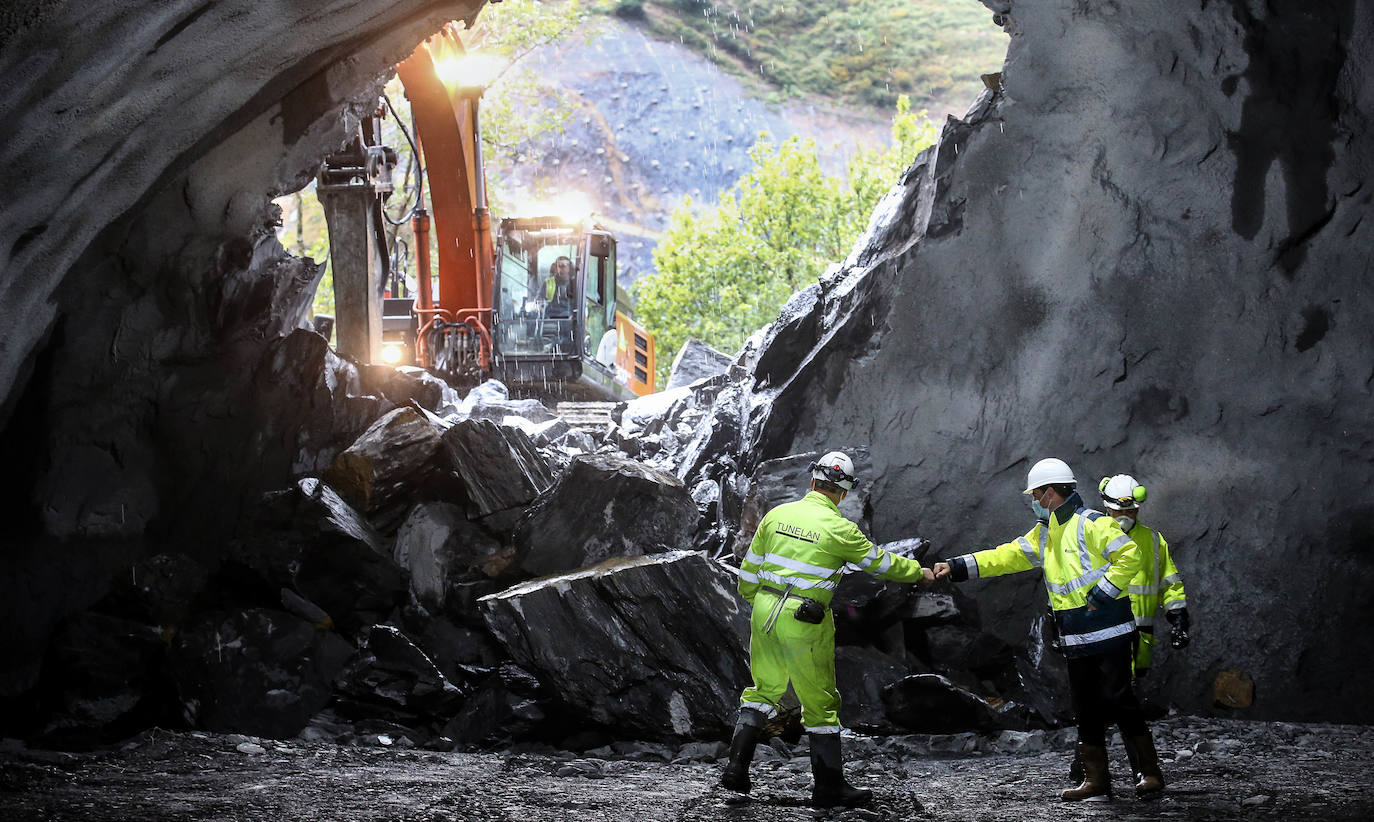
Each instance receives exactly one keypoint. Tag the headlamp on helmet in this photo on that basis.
(835, 467)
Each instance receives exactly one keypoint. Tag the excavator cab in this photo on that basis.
(536, 308)
(556, 324)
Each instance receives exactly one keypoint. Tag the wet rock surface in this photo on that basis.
(649, 647)
(1216, 769)
(603, 506)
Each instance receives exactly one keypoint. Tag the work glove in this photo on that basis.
(1178, 635)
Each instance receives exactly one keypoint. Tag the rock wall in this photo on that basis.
(1146, 252)
(146, 394)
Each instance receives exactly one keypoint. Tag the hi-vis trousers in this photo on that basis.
(793, 651)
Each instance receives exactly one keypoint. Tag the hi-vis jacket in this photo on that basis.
(806, 544)
(1082, 552)
(1158, 580)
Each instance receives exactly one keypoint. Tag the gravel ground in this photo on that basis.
(1217, 769)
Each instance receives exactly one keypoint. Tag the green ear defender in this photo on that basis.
(1138, 493)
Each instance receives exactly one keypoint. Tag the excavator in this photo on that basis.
(535, 306)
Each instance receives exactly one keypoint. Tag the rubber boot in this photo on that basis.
(748, 732)
(827, 768)
(1097, 782)
(1147, 765)
(1076, 768)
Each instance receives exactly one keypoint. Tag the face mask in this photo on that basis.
(1041, 512)
(1126, 523)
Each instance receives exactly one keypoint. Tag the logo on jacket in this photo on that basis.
(798, 533)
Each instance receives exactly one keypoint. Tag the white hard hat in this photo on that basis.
(1121, 492)
(1048, 472)
(837, 468)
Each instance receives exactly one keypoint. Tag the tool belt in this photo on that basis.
(809, 610)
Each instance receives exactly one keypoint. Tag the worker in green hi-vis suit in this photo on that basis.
(793, 567)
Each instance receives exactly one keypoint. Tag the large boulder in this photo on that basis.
(648, 646)
(256, 671)
(931, 704)
(393, 457)
(308, 539)
(696, 360)
(500, 466)
(604, 506)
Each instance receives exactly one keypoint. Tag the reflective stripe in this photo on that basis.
(1026, 549)
(1142, 590)
(1113, 545)
(797, 582)
(761, 707)
(885, 564)
(1170, 580)
(969, 563)
(1108, 587)
(1098, 636)
(822, 729)
(1084, 560)
(1074, 584)
(1176, 605)
(753, 558)
(1145, 621)
(748, 576)
(1159, 569)
(799, 566)
(869, 558)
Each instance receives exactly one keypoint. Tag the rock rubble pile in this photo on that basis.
(474, 571)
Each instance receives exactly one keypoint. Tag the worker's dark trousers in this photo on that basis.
(1101, 689)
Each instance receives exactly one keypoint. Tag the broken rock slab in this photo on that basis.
(603, 506)
(500, 466)
(394, 456)
(696, 360)
(653, 647)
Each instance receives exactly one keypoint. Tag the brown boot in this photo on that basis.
(1147, 763)
(1097, 783)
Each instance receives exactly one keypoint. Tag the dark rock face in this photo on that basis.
(1115, 272)
(604, 506)
(143, 293)
(930, 703)
(391, 678)
(102, 678)
(257, 671)
(665, 635)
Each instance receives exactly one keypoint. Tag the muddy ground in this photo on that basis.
(1218, 769)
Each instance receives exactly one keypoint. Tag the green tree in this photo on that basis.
(724, 271)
